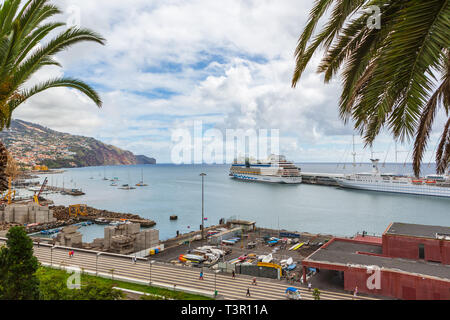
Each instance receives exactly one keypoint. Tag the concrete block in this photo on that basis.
(133, 228)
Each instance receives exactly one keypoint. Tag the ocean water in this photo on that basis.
(176, 190)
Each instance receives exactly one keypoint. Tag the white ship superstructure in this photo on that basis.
(275, 170)
(432, 185)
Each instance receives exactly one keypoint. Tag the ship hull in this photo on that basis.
(422, 190)
(267, 179)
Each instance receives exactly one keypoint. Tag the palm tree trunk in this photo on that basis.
(3, 163)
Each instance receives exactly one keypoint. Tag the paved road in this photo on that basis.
(187, 277)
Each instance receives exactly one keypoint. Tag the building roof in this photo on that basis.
(345, 253)
(417, 230)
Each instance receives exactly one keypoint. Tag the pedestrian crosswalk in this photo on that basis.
(227, 286)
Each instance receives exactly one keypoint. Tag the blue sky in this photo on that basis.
(169, 63)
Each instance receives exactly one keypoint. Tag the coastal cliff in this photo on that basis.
(32, 144)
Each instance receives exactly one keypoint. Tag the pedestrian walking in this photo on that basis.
(201, 275)
(309, 286)
(254, 282)
(38, 242)
(355, 293)
(248, 292)
(233, 274)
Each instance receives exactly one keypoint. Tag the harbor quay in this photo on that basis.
(406, 262)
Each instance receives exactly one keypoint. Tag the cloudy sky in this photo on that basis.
(169, 63)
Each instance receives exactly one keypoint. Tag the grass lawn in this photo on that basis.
(169, 294)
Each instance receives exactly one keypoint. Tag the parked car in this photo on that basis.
(293, 293)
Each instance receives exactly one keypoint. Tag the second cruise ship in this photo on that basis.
(438, 186)
(275, 170)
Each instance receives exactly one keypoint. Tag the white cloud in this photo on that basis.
(168, 62)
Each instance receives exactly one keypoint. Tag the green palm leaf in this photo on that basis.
(24, 50)
(389, 74)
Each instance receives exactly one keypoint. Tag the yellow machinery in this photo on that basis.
(78, 209)
(7, 196)
(36, 196)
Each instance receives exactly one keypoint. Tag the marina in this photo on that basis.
(176, 190)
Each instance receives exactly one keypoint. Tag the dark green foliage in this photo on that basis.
(316, 294)
(396, 77)
(17, 267)
(25, 49)
(53, 286)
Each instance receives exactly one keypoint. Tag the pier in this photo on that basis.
(324, 179)
(71, 192)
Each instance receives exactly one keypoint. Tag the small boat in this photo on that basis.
(298, 246)
(101, 221)
(141, 183)
(194, 258)
(290, 261)
(126, 187)
(49, 232)
(75, 192)
(268, 258)
(173, 218)
(113, 184)
(228, 242)
(291, 267)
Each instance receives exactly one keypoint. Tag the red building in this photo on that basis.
(408, 262)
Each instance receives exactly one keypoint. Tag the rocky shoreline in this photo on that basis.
(61, 213)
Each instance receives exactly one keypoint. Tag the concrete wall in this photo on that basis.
(225, 235)
(398, 285)
(25, 214)
(143, 239)
(257, 271)
(408, 248)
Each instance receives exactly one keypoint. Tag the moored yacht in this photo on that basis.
(432, 185)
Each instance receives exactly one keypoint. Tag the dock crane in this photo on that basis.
(7, 197)
(36, 196)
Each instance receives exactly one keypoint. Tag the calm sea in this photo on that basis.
(176, 190)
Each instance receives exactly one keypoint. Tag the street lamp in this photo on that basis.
(96, 262)
(151, 262)
(215, 282)
(203, 204)
(51, 255)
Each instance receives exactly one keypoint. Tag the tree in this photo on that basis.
(24, 50)
(316, 294)
(18, 267)
(396, 75)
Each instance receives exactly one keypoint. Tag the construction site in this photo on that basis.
(124, 233)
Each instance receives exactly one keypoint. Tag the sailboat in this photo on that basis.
(141, 183)
(127, 186)
(104, 175)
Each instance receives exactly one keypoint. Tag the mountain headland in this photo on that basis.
(32, 144)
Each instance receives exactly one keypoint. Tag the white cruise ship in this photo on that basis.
(438, 186)
(275, 170)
